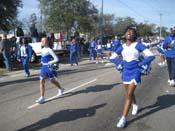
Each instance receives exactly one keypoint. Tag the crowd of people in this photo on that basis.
(132, 57)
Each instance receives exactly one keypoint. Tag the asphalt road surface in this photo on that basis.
(93, 101)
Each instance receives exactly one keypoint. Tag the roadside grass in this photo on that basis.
(2, 71)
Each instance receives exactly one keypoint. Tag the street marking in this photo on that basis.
(51, 98)
(109, 64)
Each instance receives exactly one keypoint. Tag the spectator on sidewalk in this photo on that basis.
(92, 52)
(99, 51)
(49, 62)
(24, 55)
(73, 52)
(6, 50)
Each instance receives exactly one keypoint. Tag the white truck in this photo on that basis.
(36, 47)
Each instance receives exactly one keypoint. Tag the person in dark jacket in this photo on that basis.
(6, 50)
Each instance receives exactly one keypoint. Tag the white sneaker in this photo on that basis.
(172, 83)
(135, 109)
(96, 62)
(160, 64)
(169, 81)
(60, 92)
(121, 123)
(102, 61)
(40, 100)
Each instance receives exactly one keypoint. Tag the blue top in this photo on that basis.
(28, 51)
(131, 54)
(169, 52)
(92, 44)
(48, 57)
(74, 47)
(116, 44)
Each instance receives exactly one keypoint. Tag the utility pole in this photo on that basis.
(41, 18)
(160, 25)
(101, 23)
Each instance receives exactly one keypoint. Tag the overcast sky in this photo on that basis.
(140, 10)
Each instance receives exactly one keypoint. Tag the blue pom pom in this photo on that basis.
(119, 67)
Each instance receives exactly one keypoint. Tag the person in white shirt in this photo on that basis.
(24, 55)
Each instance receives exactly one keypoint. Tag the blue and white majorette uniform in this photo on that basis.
(160, 48)
(109, 47)
(116, 43)
(49, 62)
(99, 49)
(130, 63)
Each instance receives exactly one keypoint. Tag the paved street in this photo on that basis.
(93, 101)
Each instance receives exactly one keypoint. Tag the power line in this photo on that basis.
(145, 18)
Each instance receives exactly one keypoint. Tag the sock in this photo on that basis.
(134, 105)
(41, 97)
(123, 118)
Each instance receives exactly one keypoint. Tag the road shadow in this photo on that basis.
(29, 79)
(91, 89)
(63, 72)
(163, 102)
(96, 88)
(63, 116)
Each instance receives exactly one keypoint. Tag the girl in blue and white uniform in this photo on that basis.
(131, 75)
(161, 51)
(99, 51)
(48, 60)
(109, 48)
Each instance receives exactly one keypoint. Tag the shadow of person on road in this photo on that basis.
(22, 80)
(163, 102)
(96, 88)
(63, 116)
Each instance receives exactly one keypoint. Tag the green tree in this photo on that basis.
(8, 12)
(144, 29)
(122, 23)
(19, 31)
(61, 15)
(164, 31)
(33, 19)
(108, 25)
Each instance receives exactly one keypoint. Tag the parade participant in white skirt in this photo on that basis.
(161, 53)
(49, 62)
(131, 74)
(99, 51)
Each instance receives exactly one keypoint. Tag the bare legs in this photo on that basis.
(129, 98)
(42, 85)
